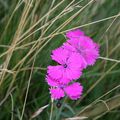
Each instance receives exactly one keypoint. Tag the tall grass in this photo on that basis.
(29, 30)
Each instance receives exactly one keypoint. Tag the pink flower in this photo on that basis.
(69, 68)
(75, 33)
(85, 47)
(73, 91)
(74, 56)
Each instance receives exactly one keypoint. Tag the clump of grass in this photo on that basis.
(30, 29)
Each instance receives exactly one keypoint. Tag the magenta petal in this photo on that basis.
(60, 55)
(86, 48)
(75, 42)
(74, 74)
(74, 33)
(51, 81)
(77, 61)
(69, 47)
(55, 72)
(81, 42)
(74, 91)
(86, 42)
(65, 79)
(57, 93)
(59, 74)
(91, 56)
(97, 46)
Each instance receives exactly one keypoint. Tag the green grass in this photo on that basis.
(25, 53)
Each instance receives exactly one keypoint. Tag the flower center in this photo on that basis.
(65, 65)
(61, 86)
(80, 50)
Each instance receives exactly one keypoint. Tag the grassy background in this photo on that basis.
(24, 56)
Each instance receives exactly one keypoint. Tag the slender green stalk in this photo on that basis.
(51, 112)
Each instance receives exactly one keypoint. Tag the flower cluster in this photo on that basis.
(78, 52)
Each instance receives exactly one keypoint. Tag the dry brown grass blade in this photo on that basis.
(7, 95)
(101, 107)
(62, 26)
(41, 19)
(15, 40)
(84, 25)
(35, 114)
(34, 47)
(77, 118)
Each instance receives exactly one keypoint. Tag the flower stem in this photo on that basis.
(51, 113)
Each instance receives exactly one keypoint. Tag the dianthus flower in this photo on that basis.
(85, 47)
(58, 91)
(72, 57)
(69, 66)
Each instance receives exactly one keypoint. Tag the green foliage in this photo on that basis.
(25, 54)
